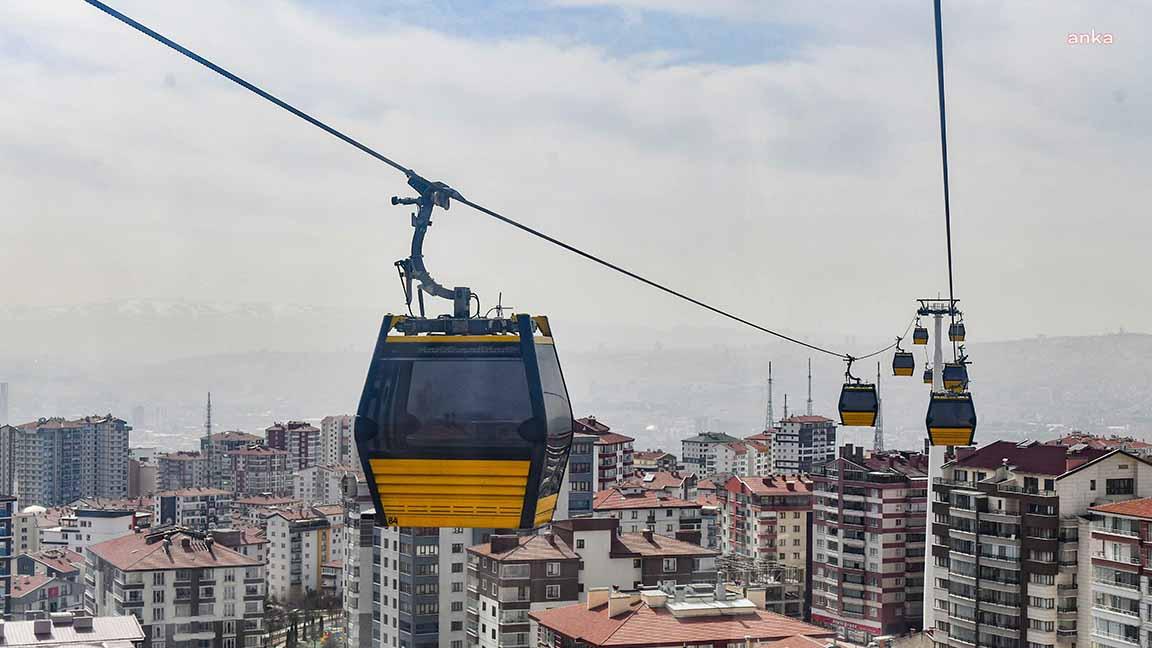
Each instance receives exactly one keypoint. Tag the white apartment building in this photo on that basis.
(185, 589)
(801, 442)
(639, 510)
(702, 453)
(195, 508)
(82, 527)
(338, 441)
(300, 542)
(322, 484)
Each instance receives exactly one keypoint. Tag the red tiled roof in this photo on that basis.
(660, 480)
(706, 484)
(644, 626)
(658, 545)
(611, 438)
(24, 585)
(1141, 508)
(193, 492)
(235, 435)
(759, 436)
(63, 561)
(738, 448)
(798, 641)
(807, 419)
(650, 455)
(538, 547)
(259, 451)
(253, 536)
(265, 500)
(133, 552)
(615, 499)
(801, 485)
(589, 425)
(1032, 458)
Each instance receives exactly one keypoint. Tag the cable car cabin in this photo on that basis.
(464, 423)
(955, 376)
(956, 331)
(858, 404)
(903, 364)
(928, 376)
(920, 335)
(951, 419)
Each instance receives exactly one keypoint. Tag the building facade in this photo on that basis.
(322, 484)
(639, 509)
(338, 441)
(301, 541)
(869, 516)
(184, 588)
(599, 459)
(215, 448)
(261, 471)
(1031, 547)
(700, 454)
(801, 442)
(181, 470)
(653, 460)
(194, 508)
(52, 462)
(299, 439)
(7, 509)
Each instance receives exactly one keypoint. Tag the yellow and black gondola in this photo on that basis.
(903, 364)
(951, 419)
(919, 335)
(956, 331)
(955, 376)
(927, 375)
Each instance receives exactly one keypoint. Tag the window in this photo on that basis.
(1092, 485)
(552, 592)
(552, 569)
(158, 596)
(457, 626)
(667, 512)
(457, 568)
(457, 547)
(158, 577)
(669, 564)
(1120, 486)
(635, 514)
(458, 606)
(457, 587)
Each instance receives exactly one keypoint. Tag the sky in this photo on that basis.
(778, 159)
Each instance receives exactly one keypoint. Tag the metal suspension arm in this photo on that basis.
(432, 194)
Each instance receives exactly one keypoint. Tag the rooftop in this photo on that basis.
(182, 455)
(124, 505)
(1028, 457)
(193, 492)
(536, 547)
(777, 485)
(265, 500)
(24, 585)
(1140, 508)
(235, 435)
(634, 498)
(712, 437)
(659, 479)
(638, 624)
(257, 451)
(61, 423)
(63, 561)
(807, 419)
(656, 545)
(651, 455)
(66, 629)
(168, 548)
(293, 426)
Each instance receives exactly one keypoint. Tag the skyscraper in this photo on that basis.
(55, 461)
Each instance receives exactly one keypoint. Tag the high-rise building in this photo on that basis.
(338, 441)
(801, 442)
(185, 588)
(768, 520)
(303, 540)
(869, 516)
(599, 459)
(300, 439)
(1015, 561)
(639, 509)
(7, 506)
(56, 461)
(359, 576)
(3, 403)
(180, 470)
(215, 448)
(259, 470)
(322, 484)
(200, 509)
(700, 454)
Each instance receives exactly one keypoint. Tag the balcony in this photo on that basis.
(514, 640)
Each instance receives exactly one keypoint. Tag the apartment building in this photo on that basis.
(215, 448)
(868, 528)
(671, 483)
(681, 615)
(55, 461)
(258, 470)
(301, 541)
(143, 476)
(194, 508)
(599, 458)
(251, 510)
(247, 541)
(653, 461)
(185, 588)
(338, 441)
(360, 580)
(701, 453)
(33, 596)
(299, 439)
(1032, 547)
(322, 484)
(510, 576)
(768, 520)
(180, 470)
(90, 523)
(422, 585)
(7, 506)
(639, 509)
(801, 442)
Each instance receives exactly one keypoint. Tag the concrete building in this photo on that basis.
(801, 442)
(653, 461)
(1032, 546)
(199, 509)
(38, 595)
(261, 471)
(644, 510)
(7, 504)
(599, 458)
(360, 581)
(681, 615)
(299, 439)
(90, 523)
(700, 453)
(216, 448)
(56, 461)
(301, 541)
(671, 483)
(768, 520)
(180, 470)
(183, 587)
(78, 629)
(869, 517)
(338, 441)
(143, 477)
(247, 541)
(252, 510)
(322, 484)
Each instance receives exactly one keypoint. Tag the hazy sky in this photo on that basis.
(779, 158)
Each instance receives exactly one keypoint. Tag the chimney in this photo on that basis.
(82, 622)
(654, 598)
(621, 602)
(42, 627)
(758, 595)
(846, 451)
(721, 590)
(648, 535)
(504, 543)
(598, 596)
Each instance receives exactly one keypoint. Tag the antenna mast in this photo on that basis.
(809, 386)
(208, 438)
(769, 418)
(785, 405)
(878, 436)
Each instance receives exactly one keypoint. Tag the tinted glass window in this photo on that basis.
(456, 402)
(558, 412)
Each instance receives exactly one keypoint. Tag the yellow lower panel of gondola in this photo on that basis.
(953, 384)
(451, 492)
(950, 436)
(864, 419)
(545, 507)
(903, 372)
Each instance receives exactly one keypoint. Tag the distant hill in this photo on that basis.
(153, 361)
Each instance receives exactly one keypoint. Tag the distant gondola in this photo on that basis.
(903, 364)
